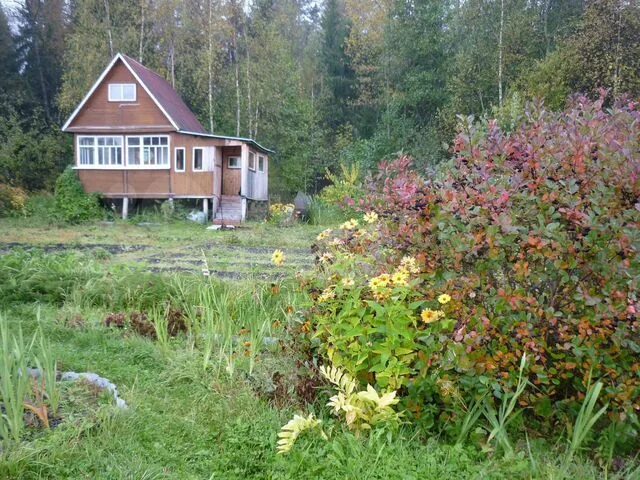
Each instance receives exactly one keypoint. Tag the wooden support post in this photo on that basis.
(125, 208)
(205, 208)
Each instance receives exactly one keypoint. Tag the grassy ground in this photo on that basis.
(186, 421)
(171, 247)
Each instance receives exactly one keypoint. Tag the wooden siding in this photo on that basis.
(99, 112)
(231, 178)
(165, 183)
(190, 183)
(257, 182)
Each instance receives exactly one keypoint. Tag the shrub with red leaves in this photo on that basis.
(535, 235)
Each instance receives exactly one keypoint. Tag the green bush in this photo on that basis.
(72, 204)
(345, 189)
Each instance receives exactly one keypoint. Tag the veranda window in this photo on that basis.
(102, 151)
(198, 165)
(179, 159)
(150, 152)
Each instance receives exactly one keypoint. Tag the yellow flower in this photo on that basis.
(326, 295)
(371, 217)
(400, 277)
(349, 225)
(278, 258)
(379, 282)
(348, 282)
(381, 295)
(444, 299)
(409, 263)
(430, 316)
(326, 257)
(359, 233)
(324, 234)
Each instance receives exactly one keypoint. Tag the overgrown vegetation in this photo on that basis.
(196, 359)
(526, 245)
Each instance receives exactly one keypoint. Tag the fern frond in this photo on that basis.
(293, 429)
(339, 378)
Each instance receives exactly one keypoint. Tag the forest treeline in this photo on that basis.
(323, 83)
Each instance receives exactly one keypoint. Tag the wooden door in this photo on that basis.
(231, 182)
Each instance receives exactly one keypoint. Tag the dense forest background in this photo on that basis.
(323, 83)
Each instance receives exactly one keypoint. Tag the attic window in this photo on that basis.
(122, 92)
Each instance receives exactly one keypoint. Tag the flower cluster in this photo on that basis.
(350, 224)
(281, 213)
(380, 286)
(281, 208)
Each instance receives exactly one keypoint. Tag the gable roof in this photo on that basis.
(163, 95)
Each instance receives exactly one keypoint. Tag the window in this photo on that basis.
(100, 151)
(252, 161)
(198, 165)
(233, 162)
(260, 163)
(86, 149)
(179, 166)
(152, 152)
(122, 92)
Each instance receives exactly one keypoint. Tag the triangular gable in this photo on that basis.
(163, 95)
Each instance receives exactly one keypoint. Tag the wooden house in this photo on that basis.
(135, 138)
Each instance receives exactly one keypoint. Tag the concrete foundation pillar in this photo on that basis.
(125, 208)
(205, 208)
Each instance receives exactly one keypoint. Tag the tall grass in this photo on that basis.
(585, 421)
(14, 382)
(500, 419)
(320, 213)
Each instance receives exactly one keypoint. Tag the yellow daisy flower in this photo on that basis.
(430, 316)
(324, 234)
(444, 299)
(409, 263)
(278, 258)
(371, 217)
(347, 282)
(349, 225)
(326, 295)
(400, 277)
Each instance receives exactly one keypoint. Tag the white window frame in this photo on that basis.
(120, 86)
(95, 165)
(263, 159)
(193, 159)
(229, 167)
(252, 156)
(184, 159)
(166, 166)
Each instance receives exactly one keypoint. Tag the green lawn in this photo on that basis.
(189, 418)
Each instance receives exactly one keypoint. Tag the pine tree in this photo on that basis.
(339, 74)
